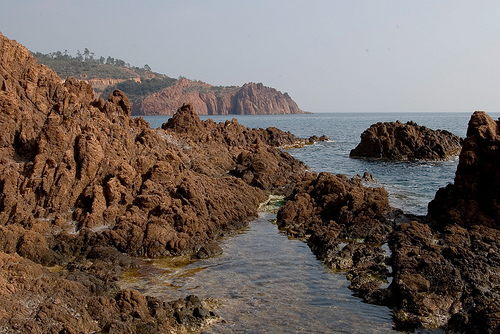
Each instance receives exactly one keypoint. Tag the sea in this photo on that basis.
(265, 282)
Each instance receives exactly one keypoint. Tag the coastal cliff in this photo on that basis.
(206, 99)
(152, 93)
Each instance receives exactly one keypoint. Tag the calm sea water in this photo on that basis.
(267, 283)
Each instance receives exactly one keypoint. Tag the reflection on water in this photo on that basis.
(266, 283)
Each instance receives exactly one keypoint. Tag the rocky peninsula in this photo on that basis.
(250, 99)
(396, 141)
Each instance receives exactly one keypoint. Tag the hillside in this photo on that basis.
(152, 93)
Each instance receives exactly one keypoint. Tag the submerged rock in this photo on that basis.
(397, 141)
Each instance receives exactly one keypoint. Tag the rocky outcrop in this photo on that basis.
(345, 223)
(474, 198)
(85, 186)
(456, 256)
(446, 267)
(210, 100)
(448, 279)
(396, 141)
(36, 300)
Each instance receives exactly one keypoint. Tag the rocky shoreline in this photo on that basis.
(86, 189)
(444, 266)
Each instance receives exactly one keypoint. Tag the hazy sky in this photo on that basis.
(350, 55)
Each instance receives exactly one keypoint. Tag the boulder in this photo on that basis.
(396, 141)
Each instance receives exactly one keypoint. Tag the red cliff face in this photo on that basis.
(210, 100)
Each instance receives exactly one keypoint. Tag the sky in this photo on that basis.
(329, 55)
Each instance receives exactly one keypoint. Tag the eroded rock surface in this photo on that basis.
(448, 278)
(445, 266)
(345, 223)
(398, 141)
(456, 256)
(86, 187)
(474, 198)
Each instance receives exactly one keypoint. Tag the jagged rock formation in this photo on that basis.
(85, 186)
(344, 222)
(210, 100)
(447, 278)
(456, 259)
(397, 141)
(445, 266)
(474, 198)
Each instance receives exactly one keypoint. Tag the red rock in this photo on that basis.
(78, 174)
(206, 99)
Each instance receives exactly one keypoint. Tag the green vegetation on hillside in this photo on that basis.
(91, 67)
(204, 88)
(136, 91)
(88, 66)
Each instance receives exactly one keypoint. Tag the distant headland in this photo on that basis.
(152, 93)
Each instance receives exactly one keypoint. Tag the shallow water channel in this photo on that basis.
(265, 283)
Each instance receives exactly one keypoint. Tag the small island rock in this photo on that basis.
(396, 141)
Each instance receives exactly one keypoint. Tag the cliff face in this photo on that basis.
(210, 100)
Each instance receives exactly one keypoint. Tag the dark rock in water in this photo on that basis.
(445, 266)
(447, 272)
(210, 250)
(316, 139)
(191, 313)
(344, 223)
(474, 198)
(396, 141)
